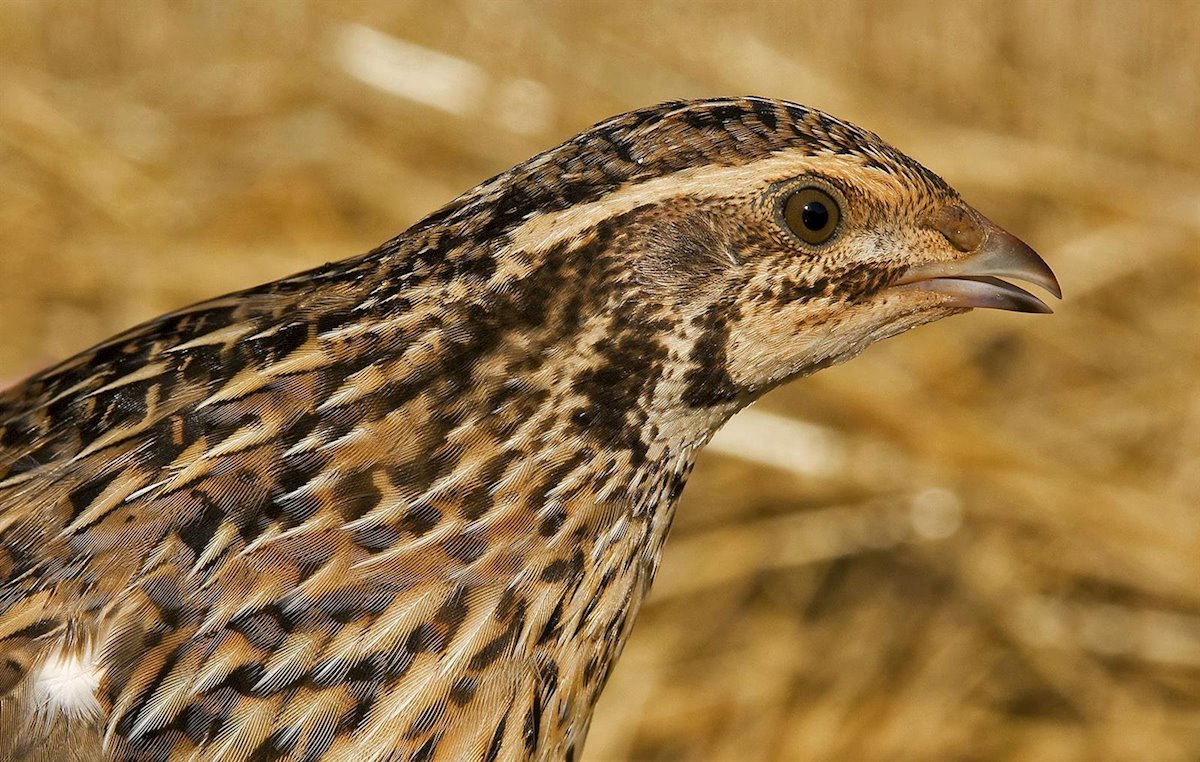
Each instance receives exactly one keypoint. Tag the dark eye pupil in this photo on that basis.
(815, 216)
(812, 215)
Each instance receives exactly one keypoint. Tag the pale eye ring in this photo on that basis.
(812, 215)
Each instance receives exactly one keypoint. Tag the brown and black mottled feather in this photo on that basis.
(405, 506)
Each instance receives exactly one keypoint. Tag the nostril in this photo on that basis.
(960, 227)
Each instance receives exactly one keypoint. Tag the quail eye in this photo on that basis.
(812, 215)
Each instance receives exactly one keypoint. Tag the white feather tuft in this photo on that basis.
(66, 683)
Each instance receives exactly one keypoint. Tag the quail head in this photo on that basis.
(405, 506)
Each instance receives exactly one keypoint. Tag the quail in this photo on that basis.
(405, 506)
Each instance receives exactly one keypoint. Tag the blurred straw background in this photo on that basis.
(980, 541)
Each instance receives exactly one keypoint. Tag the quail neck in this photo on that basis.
(405, 506)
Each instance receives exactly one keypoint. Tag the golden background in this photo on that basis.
(980, 541)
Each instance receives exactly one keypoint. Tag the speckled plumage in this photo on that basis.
(405, 506)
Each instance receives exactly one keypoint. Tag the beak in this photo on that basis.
(975, 280)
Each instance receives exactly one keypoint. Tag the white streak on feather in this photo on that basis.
(222, 336)
(242, 439)
(144, 373)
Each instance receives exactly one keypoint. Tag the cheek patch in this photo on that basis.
(680, 253)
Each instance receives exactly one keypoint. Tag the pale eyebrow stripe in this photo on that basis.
(543, 231)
